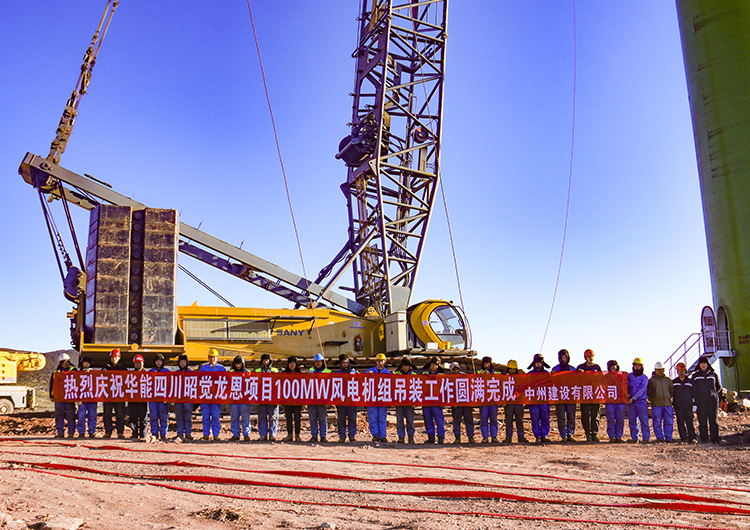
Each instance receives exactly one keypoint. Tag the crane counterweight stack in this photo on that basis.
(127, 297)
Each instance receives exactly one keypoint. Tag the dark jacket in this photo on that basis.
(586, 368)
(119, 366)
(562, 368)
(683, 393)
(237, 360)
(52, 377)
(706, 388)
(567, 367)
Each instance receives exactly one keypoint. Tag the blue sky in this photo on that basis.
(176, 117)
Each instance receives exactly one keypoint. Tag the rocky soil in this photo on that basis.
(122, 484)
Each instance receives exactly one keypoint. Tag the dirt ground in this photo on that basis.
(381, 486)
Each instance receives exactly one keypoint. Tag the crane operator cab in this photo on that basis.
(440, 322)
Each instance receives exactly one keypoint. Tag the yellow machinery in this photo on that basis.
(13, 396)
(435, 327)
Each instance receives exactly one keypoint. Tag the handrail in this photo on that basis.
(721, 340)
(681, 353)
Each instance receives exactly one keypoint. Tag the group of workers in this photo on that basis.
(669, 398)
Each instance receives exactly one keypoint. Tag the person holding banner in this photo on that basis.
(86, 410)
(346, 416)
(318, 413)
(138, 410)
(514, 412)
(159, 412)
(638, 403)
(64, 411)
(405, 415)
(590, 411)
(488, 413)
(434, 420)
(565, 412)
(239, 413)
(462, 413)
(268, 415)
(377, 416)
(211, 412)
(539, 413)
(293, 413)
(118, 408)
(615, 412)
(183, 412)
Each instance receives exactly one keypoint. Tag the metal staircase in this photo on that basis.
(715, 345)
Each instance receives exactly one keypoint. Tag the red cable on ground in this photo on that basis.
(467, 494)
(382, 508)
(365, 462)
(396, 480)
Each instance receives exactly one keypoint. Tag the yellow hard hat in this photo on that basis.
(638, 360)
(513, 364)
(380, 357)
(213, 352)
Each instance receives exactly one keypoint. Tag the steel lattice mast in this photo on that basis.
(393, 152)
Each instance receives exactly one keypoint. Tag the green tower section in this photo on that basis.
(716, 49)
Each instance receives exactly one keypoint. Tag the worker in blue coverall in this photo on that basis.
(239, 413)
(158, 413)
(346, 416)
(318, 413)
(615, 412)
(65, 412)
(377, 416)
(565, 412)
(86, 410)
(638, 402)
(210, 412)
(183, 412)
(434, 421)
(268, 413)
(539, 413)
(488, 413)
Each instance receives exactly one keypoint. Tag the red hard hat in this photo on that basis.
(681, 366)
(138, 358)
(114, 352)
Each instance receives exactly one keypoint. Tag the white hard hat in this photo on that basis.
(658, 366)
(63, 357)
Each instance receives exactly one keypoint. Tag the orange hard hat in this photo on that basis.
(681, 366)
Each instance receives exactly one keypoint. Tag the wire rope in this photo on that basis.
(283, 172)
(570, 184)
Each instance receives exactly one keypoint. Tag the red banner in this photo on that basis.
(360, 390)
